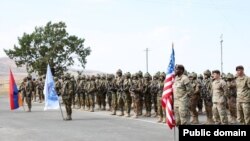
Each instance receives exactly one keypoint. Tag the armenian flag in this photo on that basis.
(15, 97)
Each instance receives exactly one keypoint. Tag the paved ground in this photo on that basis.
(40, 125)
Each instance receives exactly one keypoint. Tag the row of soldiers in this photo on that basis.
(124, 92)
(30, 88)
(121, 92)
(218, 95)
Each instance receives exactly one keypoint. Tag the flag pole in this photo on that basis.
(174, 135)
(61, 109)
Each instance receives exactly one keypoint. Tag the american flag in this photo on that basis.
(167, 96)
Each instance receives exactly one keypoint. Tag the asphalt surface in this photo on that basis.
(40, 125)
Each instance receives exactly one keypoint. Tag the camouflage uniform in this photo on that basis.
(120, 94)
(243, 99)
(128, 98)
(34, 81)
(87, 101)
(40, 86)
(161, 111)
(231, 96)
(22, 88)
(81, 91)
(78, 93)
(74, 88)
(99, 91)
(193, 101)
(58, 86)
(200, 101)
(111, 90)
(67, 95)
(103, 91)
(154, 91)
(219, 92)
(147, 94)
(29, 89)
(206, 89)
(91, 88)
(182, 90)
(135, 90)
(141, 101)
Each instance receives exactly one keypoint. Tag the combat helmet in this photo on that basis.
(207, 72)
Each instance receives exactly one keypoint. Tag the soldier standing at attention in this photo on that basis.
(194, 98)
(29, 90)
(182, 90)
(67, 95)
(243, 96)
(206, 89)
(219, 92)
(231, 97)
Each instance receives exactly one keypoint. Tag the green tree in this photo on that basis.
(51, 45)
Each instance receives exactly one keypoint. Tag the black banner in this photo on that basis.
(198, 132)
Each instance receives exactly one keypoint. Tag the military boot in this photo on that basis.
(155, 114)
(164, 120)
(233, 120)
(122, 112)
(160, 119)
(68, 117)
(114, 112)
(92, 109)
(128, 115)
(87, 109)
(195, 120)
(209, 121)
(149, 114)
(135, 116)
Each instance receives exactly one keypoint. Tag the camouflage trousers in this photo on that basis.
(68, 103)
(141, 103)
(34, 95)
(114, 102)
(147, 102)
(99, 99)
(121, 101)
(128, 102)
(161, 111)
(82, 100)
(40, 95)
(28, 101)
(200, 103)
(220, 112)
(109, 100)
(193, 101)
(91, 99)
(154, 102)
(232, 106)
(78, 100)
(136, 103)
(181, 112)
(74, 100)
(243, 112)
(87, 102)
(208, 108)
(103, 100)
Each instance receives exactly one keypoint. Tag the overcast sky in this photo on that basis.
(119, 31)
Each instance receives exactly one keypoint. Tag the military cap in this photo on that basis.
(240, 67)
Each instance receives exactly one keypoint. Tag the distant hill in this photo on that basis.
(20, 72)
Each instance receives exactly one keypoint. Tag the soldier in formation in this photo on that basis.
(216, 94)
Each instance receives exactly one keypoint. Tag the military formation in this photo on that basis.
(224, 98)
